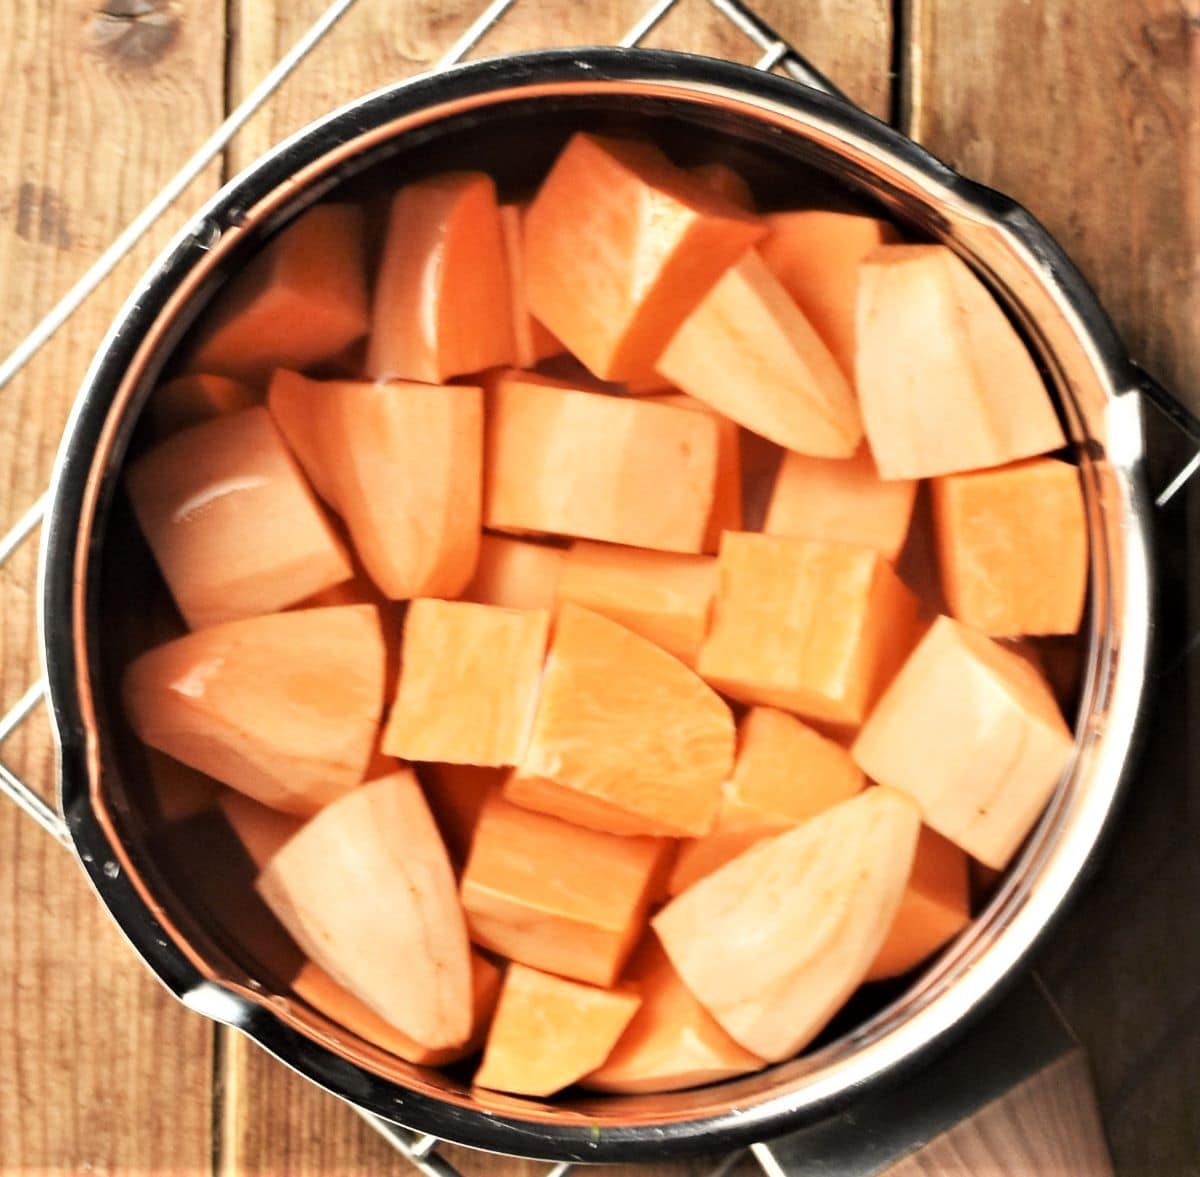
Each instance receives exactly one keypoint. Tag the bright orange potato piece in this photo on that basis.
(402, 464)
(532, 341)
(816, 253)
(367, 892)
(973, 734)
(775, 941)
(661, 595)
(515, 573)
(784, 774)
(748, 351)
(726, 513)
(626, 738)
(468, 683)
(261, 830)
(442, 305)
(301, 300)
(724, 181)
(194, 397)
(841, 500)
(620, 245)
(549, 1032)
(672, 1042)
(935, 908)
(944, 381)
(812, 627)
(1013, 548)
(555, 895)
(232, 524)
(283, 708)
(570, 462)
(457, 794)
(314, 985)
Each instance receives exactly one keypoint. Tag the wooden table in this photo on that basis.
(1088, 113)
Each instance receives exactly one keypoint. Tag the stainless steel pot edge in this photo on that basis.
(61, 552)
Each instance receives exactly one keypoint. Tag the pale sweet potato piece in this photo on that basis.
(314, 985)
(570, 462)
(532, 341)
(232, 524)
(402, 464)
(555, 895)
(195, 397)
(672, 1042)
(284, 708)
(935, 908)
(442, 305)
(468, 683)
(1013, 547)
(366, 890)
(842, 501)
(747, 350)
(974, 735)
(664, 596)
(815, 254)
(812, 627)
(457, 794)
(619, 246)
(626, 737)
(515, 573)
(944, 381)
(775, 941)
(301, 300)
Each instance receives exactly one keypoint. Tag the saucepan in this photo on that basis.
(158, 861)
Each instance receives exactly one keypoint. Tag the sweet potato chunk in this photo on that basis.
(748, 351)
(936, 906)
(570, 462)
(532, 341)
(816, 628)
(515, 573)
(626, 738)
(549, 1032)
(802, 914)
(457, 794)
(661, 595)
(944, 381)
(673, 1041)
(366, 890)
(195, 397)
(555, 895)
(284, 708)
(442, 304)
(261, 830)
(725, 182)
(468, 683)
(232, 524)
(619, 246)
(841, 501)
(1012, 547)
(973, 734)
(314, 985)
(402, 464)
(815, 254)
(301, 300)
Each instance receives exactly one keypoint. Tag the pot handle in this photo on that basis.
(11, 785)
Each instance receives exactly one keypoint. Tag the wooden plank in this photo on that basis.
(100, 1070)
(272, 1121)
(1090, 116)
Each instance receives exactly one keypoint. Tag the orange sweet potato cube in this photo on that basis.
(195, 397)
(555, 895)
(532, 341)
(973, 734)
(626, 738)
(569, 462)
(812, 627)
(619, 246)
(1012, 547)
(515, 573)
(301, 300)
(232, 524)
(722, 179)
(469, 679)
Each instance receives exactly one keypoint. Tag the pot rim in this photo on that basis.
(937, 1008)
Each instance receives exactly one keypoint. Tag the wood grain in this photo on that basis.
(102, 1071)
(1089, 114)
